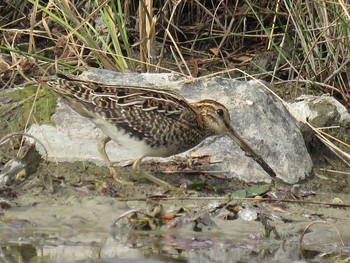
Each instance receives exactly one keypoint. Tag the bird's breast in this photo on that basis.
(164, 143)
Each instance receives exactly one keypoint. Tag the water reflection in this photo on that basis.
(142, 246)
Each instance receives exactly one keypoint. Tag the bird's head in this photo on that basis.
(216, 119)
(215, 116)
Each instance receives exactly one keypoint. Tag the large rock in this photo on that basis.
(321, 112)
(257, 116)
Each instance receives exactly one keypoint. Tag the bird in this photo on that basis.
(154, 122)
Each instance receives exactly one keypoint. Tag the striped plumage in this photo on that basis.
(155, 122)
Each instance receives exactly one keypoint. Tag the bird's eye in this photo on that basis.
(220, 112)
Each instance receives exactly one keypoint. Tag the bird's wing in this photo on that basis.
(136, 110)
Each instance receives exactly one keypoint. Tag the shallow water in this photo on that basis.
(80, 229)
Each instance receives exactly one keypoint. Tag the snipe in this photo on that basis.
(155, 122)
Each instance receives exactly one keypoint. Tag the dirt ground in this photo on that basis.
(68, 212)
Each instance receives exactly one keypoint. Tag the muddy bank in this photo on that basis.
(75, 223)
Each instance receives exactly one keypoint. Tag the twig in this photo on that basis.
(334, 171)
(226, 198)
(314, 223)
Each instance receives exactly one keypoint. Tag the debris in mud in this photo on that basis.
(154, 217)
(194, 163)
(18, 157)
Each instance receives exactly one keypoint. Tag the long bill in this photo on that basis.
(246, 147)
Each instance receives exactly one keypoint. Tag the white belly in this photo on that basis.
(125, 140)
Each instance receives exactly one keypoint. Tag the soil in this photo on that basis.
(67, 212)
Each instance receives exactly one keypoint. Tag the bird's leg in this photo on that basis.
(137, 170)
(102, 149)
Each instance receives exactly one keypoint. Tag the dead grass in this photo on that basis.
(309, 39)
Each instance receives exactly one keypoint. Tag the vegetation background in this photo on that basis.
(304, 43)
